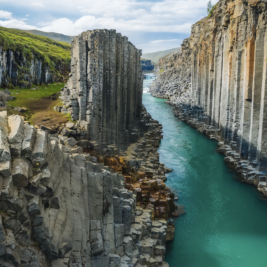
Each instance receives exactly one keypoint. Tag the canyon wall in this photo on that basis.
(59, 207)
(18, 70)
(220, 76)
(63, 206)
(105, 86)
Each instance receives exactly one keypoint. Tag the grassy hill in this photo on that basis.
(155, 56)
(52, 35)
(50, 51)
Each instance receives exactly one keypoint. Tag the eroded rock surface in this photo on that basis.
(217, 84)
(62, 208)
(105, 87)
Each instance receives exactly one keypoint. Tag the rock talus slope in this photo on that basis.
(219, 78)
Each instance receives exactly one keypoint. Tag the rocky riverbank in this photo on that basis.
(217, 84)
(44, 178)
(247, 170)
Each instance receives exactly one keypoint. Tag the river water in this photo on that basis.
(225, 224)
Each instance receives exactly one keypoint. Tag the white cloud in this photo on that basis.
(126, 16)
(123, 15)
(13, 23)
(37, 4)
(5, 15)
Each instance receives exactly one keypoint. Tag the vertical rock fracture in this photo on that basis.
(217, 83)
(105, 86)
(60, 206)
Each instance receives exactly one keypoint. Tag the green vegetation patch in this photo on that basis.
(40, 104)
(210, 9)
(50, 51)
(161, 70)
(25, 96)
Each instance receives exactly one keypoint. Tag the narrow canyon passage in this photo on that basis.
(225, 224)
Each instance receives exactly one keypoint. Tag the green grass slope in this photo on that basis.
(50, 51)
(155, 56)
(52, 35)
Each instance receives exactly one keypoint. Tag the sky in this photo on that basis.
(151, 25)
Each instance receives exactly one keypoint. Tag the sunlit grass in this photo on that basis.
(24, 95)
(50, 51)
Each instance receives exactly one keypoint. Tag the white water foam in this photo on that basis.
(145, 90)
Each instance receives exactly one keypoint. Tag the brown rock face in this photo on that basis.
(224, 62)
(146, 181)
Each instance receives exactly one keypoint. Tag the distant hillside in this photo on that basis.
(27, 58)
(157, 55)
(52, 35)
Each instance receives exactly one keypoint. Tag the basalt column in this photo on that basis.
(105, 86)
(234, 104)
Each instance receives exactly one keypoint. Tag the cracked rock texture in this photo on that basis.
(17, 70)
(61, 208)
(220, 78)
(105, 87)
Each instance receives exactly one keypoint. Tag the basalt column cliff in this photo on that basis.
(61, 206)
(105, 86)
(219, 81)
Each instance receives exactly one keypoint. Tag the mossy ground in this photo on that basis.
(40, 104)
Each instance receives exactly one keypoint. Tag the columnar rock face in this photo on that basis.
(105, 86)
(59, 207)
(227, 53)
(17, 70)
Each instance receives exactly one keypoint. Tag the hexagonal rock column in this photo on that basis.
(105, 86)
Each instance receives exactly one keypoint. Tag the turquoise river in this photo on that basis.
(225, 224)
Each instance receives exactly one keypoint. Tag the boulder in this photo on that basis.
(70, 142)
(70, 125)
(33, 206)
(20, 172)
(16, 133)
(28, 141)
(170, 233)
(5, 169)
(4, 145)
(39, 149)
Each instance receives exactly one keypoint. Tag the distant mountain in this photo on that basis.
(52, 35)
(157, 55)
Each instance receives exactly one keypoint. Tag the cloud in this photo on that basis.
(123, 15)
(167, 18)
(13, 23)
(69, 27)
(5, 15)
(38, 4)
